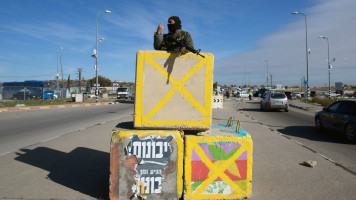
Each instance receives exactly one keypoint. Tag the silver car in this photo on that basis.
(274, 100)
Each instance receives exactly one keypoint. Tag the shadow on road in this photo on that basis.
(311, 133)
(84, 170)
(251, 109)
(126, 125)
(252, 102)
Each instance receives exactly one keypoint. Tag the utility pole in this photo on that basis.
(60, 57)
(301, 84)
(80, 79)
(57, 75)
(267, 76)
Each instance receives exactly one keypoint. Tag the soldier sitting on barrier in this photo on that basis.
(165, 41)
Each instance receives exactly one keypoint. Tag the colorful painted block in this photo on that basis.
(173, 92)
(218, 167)
(146, 164)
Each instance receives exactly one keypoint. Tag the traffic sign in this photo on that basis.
(217, 101)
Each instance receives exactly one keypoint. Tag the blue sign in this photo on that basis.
(305, 82)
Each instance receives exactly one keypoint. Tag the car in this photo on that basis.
(297, 95)
(242, 94)
(339, 116)
(260, 92)
(23, 96)
(88, 95)
(274, 100)
(289, 94)
(332, 94)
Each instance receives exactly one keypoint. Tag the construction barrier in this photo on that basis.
(173, 92)
(146, 164)
(219, 165)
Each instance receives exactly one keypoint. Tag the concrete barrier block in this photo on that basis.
(146, 164)
(173, 92)
(218, 165)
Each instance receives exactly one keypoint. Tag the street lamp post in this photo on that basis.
(329, 67)
(96, 54)
(306, 51)
(267, 73)
(57, 75)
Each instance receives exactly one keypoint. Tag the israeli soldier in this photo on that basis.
(162, 42)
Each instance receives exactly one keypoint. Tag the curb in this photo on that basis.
(299, 107)
(55, 106)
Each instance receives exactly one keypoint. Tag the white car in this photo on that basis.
(274, 100)
(244, 94)
(333, 94)
(298, 95)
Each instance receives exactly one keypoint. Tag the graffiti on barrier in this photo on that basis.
(218, 168)
(153, 153)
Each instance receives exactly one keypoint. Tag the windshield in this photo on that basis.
(278, 96)
(122, 89)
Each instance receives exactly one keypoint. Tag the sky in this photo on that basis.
(245, 36)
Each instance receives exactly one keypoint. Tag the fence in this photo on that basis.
(32, 93)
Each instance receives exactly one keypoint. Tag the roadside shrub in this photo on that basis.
(323, 101)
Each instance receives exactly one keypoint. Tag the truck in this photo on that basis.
(123, 93)
(339, 88)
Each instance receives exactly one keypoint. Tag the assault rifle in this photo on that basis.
(181, 44)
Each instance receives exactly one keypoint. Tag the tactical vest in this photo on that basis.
(171, 45)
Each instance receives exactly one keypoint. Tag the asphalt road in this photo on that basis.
(299, 125)
(77, 165)
(23, 128)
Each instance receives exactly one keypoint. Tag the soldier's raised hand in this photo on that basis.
(160, 28)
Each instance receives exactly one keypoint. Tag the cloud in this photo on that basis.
(285, 48)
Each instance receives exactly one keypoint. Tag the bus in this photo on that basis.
(28, 90)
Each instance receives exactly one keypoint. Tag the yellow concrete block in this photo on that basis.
(173, 92)
(218, 167)
(146, 164)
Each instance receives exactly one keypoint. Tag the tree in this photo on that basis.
(103, 82)
(68, 82)
(215, 85)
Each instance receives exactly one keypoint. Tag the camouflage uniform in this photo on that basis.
(162, 43)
